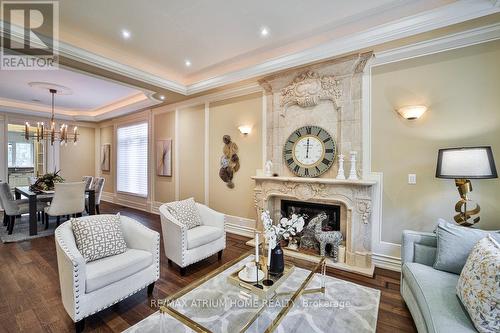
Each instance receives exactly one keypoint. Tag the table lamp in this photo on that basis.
(463, 164)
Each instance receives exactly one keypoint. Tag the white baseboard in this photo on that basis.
(387, 262)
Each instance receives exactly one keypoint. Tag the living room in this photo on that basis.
(321, 166)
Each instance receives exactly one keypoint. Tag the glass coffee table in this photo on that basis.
(217, 304)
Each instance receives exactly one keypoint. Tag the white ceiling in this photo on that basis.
(217, 35)
(88, 92)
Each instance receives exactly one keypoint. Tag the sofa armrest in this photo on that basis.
(417, 243)
(71, 267)
(174, 237)
(211, 217)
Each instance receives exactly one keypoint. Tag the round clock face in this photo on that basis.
(309, 151)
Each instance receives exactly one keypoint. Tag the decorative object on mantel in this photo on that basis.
(229, 162)
(51, 134)
(353, 174)
(275, 234)
(309, 151)
(412, 112)
(164, 157)
(46, 182)
(268, 169)
(463, 164)
(341, 172)
(106, 157)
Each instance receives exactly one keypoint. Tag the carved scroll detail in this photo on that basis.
(308, 89)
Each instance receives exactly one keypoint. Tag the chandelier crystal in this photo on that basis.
(51, 134)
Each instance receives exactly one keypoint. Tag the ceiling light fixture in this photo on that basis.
(41, 133)
(162, 97)
(187, 63)
(264, 31)
(125, 34)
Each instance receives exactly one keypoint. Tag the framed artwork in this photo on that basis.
(164, 157)
(106, 157)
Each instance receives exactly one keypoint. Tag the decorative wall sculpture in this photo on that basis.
(106, 157)
(164, 157)
(229, 162)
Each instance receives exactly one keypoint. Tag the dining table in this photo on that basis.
(32, 199)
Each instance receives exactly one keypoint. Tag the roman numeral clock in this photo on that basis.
(309, 151)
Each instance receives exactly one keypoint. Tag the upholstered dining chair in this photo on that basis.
(13, 207)
(187, 246)
(89, 287)
(97, 186)
(69, 199)
(88, 180)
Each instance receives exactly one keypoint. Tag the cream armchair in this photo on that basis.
(186, 247)
(87, 288)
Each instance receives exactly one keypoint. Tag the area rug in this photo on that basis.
(21, 230)
(346, 307)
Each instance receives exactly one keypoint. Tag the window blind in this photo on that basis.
(132, 159)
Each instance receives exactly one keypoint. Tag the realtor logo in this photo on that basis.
(30, 34)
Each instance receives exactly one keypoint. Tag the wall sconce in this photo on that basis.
(245, 129)
(412, 112)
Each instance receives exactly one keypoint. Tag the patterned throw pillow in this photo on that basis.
(185, 212)
(99, 236)
(478, 286)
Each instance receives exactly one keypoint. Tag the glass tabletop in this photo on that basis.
(217, 304)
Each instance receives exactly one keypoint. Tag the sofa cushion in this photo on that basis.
(202, 235)
(434, 291)
(105, 271)
(478, 285)
(98, 236)
(454, 243)
(185, 212)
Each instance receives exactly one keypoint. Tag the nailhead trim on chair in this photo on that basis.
(76, 287)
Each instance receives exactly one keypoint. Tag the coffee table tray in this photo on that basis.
(265, 291)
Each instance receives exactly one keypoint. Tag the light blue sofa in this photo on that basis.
(430, 294)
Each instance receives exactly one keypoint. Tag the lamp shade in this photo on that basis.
(466, 162)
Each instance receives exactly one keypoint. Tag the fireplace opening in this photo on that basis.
(311, 210)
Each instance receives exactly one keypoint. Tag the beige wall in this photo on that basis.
(225, 117)
(461, 88)
(78, 160)
(164, 128)
(192, 153)
(107, 136)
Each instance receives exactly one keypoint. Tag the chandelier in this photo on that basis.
(51, 134)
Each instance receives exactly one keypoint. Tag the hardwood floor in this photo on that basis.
(30, 298)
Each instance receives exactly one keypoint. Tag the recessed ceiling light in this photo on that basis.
(162, 97)
(187, 63)
(125, 34)
(264, 32)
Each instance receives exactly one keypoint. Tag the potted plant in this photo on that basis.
(46, 182)
(274, 234)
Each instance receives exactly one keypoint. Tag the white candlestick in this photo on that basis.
(268, 255)
(256, 247)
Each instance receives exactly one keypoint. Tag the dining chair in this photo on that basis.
(97, 186)
(69, 200)
(88, 180)
(13, 207)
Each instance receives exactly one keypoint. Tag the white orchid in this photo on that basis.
(283, 230)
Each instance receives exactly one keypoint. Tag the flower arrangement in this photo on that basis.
(46, 182)
(285, 229)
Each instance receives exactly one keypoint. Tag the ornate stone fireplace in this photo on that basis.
(329, 95)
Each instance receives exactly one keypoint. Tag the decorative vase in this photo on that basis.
(277, 265)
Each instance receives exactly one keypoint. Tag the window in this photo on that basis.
(132, 159)
(20, 154)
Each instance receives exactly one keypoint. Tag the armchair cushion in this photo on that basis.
(185, 212)
(99, 236)
(105, 271)
(202, 235)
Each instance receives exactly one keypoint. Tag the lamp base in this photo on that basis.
(464, 216)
